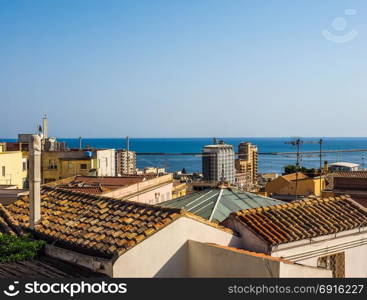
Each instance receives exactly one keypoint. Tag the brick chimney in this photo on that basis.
(35, 180)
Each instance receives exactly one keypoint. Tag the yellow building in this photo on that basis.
(179, 189)
(56, 166)
(13, 168)
(247, 161)
(285, 186)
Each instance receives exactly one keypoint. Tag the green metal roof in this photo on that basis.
(216, 204)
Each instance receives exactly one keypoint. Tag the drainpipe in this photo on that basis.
(35, 180)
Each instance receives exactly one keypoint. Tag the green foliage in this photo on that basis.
(289, 169)
(14, 248)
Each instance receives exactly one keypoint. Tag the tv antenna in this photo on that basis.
(297, 142)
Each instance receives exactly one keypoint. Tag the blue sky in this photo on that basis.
(183, 68)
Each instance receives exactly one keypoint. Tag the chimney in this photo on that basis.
(80, 143)
(45, 127)
(35, 180)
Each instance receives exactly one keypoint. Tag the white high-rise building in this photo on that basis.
(218, 163)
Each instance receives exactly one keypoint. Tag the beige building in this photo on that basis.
(247, 161)
(13, 168)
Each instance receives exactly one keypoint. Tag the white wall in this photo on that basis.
(212, 261)
(352, 243)
(302, 271)
(106, 162)
(165, 253)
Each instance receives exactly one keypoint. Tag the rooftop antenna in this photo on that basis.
(321, 141)
(297, 143)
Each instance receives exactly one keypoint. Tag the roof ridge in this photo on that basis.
(282, 206)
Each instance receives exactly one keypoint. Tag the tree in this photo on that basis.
(289, 169)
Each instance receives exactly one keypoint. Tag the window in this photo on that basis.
(3, 171)
(156, 196)
(83, 166)
(335, 262)
(52, 164)
(24, 166)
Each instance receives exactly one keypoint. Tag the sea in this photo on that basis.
(267, 163)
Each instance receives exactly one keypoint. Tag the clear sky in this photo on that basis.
(184, 68)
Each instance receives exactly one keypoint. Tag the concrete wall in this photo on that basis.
(210, 261)
(165, 253)
(213, 261)
(353, 243)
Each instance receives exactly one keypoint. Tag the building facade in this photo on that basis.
(287, 187)
(125, 162)
(218, 163)
(58, 165)
(13, 168)
(247, 161)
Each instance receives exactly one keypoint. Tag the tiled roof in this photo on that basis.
(98, 185)
(96, 225)
(350, 174)
(7, 223)
(291, 177)
(216, 204)
(114, 180)
(303, 219)
(95, 190)
(45, 267)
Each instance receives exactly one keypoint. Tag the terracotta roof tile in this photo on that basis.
(303, 219)
(80, 221)
(7, 223)
(350, 174)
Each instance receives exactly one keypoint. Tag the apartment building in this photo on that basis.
(125, 162)
(218, 163)
(247, 161)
